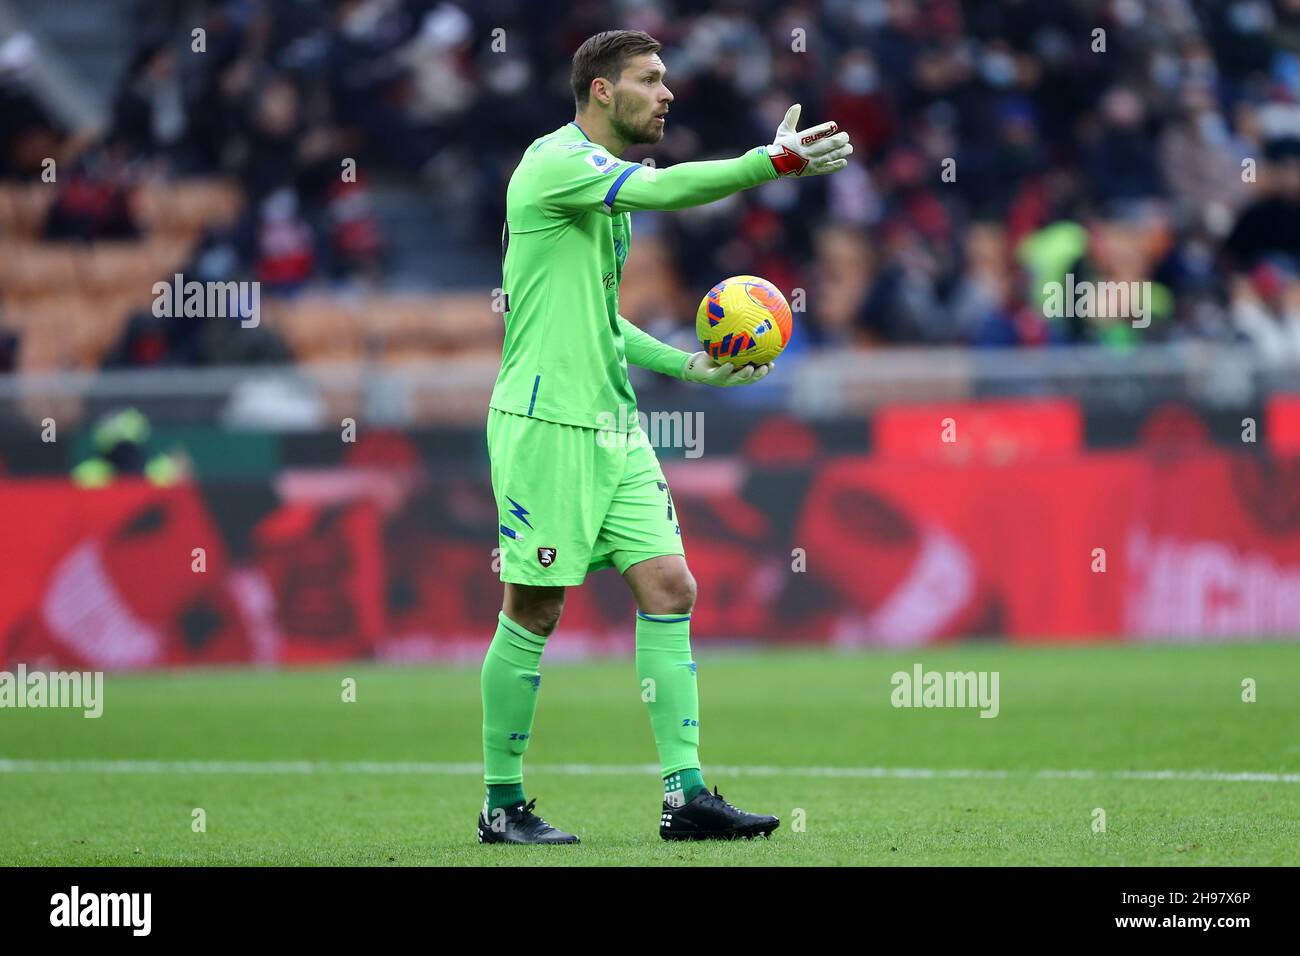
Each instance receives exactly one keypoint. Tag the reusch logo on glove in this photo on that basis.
(812, 138)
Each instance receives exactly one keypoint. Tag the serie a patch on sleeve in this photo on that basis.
(602, 162)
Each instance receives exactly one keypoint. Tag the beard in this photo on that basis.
(625, 125)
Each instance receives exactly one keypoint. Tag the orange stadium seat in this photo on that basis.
(86, 324)
(118, 265)
(23, 207)
(47, 333)
(183, 209)
(406, 327)
(166, 258)
(319, 328)
(397, 322)
(38, 267)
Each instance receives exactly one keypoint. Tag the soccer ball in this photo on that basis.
(744, 320)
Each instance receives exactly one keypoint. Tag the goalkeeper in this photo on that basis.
(569, 499)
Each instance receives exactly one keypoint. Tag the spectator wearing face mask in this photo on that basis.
(1270, 227)
(858, 103)
(1200, 158)
(1121, 163)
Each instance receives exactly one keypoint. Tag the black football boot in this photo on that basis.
(709, 817)
(518, 824)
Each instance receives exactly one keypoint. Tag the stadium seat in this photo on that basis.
(118, 265)
(23, 207)
(184, 209)
(38, 267)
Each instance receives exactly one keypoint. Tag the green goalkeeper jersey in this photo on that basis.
(566, 238)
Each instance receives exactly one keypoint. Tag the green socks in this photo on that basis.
(667, 675)
(509, 682)
(502, 795)
(681, 787)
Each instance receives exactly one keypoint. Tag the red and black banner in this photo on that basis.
(1012, 531)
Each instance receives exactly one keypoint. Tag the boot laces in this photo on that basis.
(528, 818)
(719, 797)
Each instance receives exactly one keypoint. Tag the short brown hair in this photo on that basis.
(605, 55)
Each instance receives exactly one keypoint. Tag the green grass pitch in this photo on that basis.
(287, 773)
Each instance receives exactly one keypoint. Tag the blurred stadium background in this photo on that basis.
(128, 441)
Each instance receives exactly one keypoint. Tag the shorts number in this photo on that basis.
(663, 486)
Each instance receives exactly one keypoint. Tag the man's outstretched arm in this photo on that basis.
(584, 178)
(692, 184)
(812, 152)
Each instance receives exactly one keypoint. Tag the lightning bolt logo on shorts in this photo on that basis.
(520, 512)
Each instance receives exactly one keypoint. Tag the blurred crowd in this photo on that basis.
(288, 99)
(1000, 145)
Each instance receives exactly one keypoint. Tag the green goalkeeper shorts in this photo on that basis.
(572, 500)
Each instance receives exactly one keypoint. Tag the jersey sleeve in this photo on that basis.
(644, 350)
(692, 184)
(585, 178)
(580, 177)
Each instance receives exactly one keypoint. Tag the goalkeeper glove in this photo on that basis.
(813, 152)
(699, 368)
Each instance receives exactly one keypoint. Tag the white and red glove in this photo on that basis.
(700, 368)
(813, 152)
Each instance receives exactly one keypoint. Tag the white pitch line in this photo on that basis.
(238, 767)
